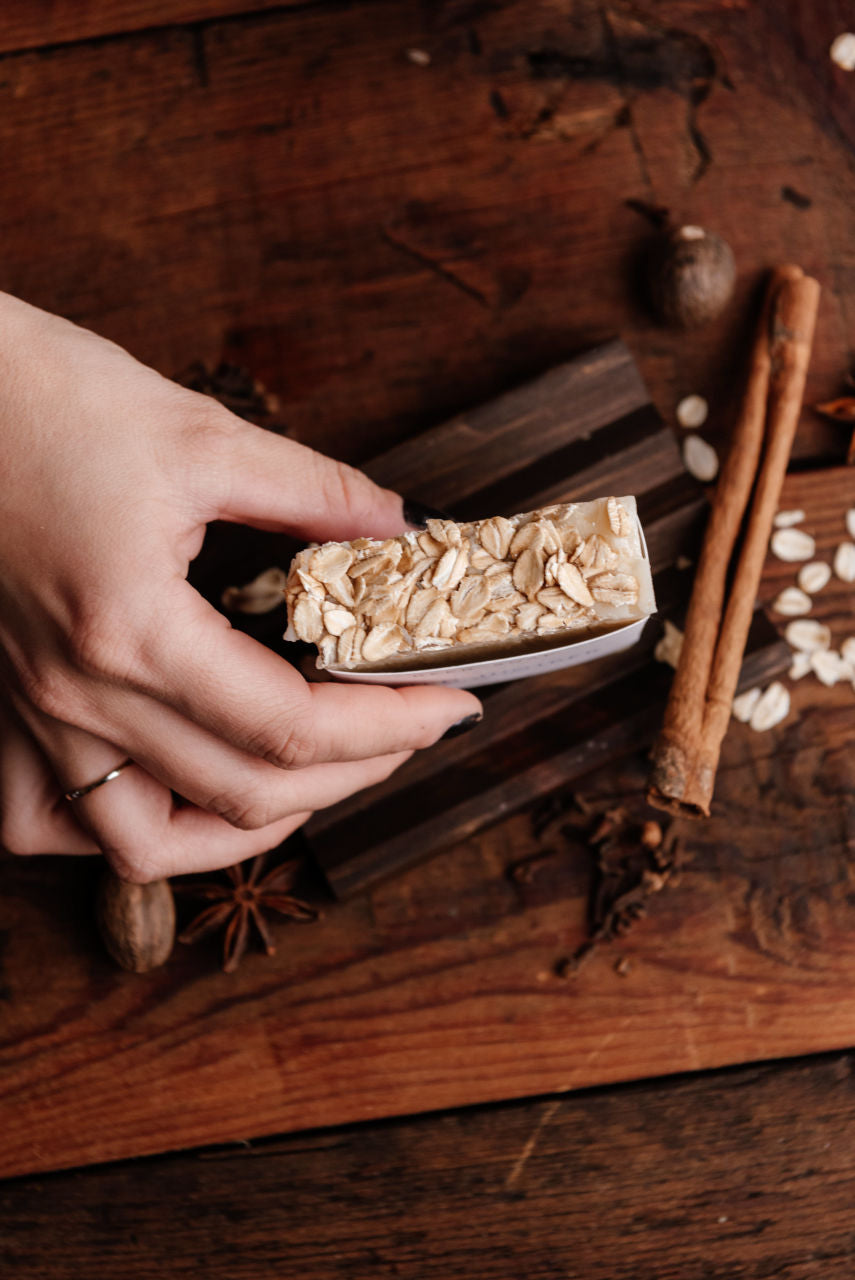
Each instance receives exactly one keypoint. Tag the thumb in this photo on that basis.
(273, 483)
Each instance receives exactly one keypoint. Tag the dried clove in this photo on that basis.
(633, 860)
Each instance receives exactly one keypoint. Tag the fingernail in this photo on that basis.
(417, 514)
(463, 726)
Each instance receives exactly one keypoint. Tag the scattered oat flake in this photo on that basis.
(807, 634)
(619, 520)
(829, 666)
(792, 603)
(349, 645)
(264, 593)
(814, 576)
(496, 536)
(692, 411)
(381, 641)
(843, 51)
(528, 572)
(847, 650)
(669, 646)
(573, 585)
(330, 561)
(771, 708)
(799, 666)
(844, 562)
(337, 621)
(744, 704)
(793, 544)
(784, 519)
(307, 620)
(850, 522)
(700, 459)
(420, 57)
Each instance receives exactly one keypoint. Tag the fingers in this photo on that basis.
(34, 818)
(274, 483)
(242, 789)
(247, 791)
(135, 820)
(192, 840)
(245, 694)
(234, 729)
(147, 836)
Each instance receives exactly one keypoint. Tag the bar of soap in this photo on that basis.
(460, 592)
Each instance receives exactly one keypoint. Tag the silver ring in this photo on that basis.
(79, 792)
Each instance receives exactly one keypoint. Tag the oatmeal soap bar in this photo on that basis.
(462, 592)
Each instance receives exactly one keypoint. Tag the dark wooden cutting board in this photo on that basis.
(440, 986)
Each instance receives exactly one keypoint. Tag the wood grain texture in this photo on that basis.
(31, 24)
(743, 1173)
(442, 982)
(573, 409)
(385, 244)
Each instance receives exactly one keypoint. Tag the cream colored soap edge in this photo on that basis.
(326, 588)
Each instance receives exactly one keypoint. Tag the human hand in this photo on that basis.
(111, 473)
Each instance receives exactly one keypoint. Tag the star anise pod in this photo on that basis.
(240, 904)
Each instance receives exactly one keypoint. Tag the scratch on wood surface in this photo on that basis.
(693, 1056)
(595, 1054)
(628, 118)
(591, 1059)
(663, 57)
(426, 260)
(531, 1142)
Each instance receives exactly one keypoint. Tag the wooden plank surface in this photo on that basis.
(30, 24)
(385, 244)
(573, 409)
(441, 984)
(744, 1173)
(741, 1173)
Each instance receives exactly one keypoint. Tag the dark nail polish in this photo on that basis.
(463, 726)
(417, 514)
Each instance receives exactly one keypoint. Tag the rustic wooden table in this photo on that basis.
(385, 239)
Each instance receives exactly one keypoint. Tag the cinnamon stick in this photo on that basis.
(686, 755)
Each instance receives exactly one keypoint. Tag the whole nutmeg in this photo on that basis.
(691, 274)
(136, 921)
